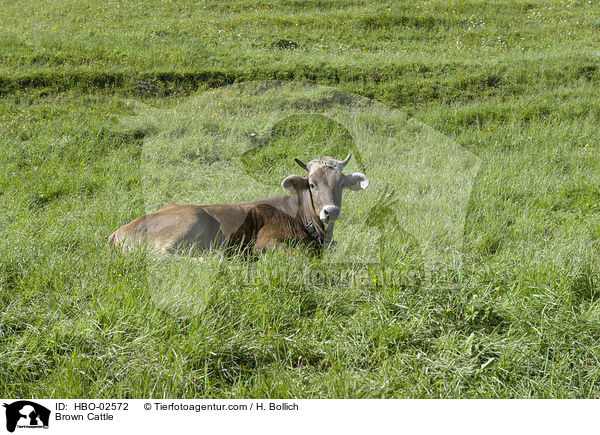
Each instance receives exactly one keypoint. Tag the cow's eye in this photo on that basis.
(312, 186)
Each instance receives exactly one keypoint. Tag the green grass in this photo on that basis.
(91, 95)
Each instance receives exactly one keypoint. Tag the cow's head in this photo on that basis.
(325, 182)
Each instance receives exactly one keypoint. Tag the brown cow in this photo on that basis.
(307, 216)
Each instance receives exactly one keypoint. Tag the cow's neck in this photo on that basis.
(310, 219)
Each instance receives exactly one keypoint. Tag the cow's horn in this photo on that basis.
(301, 164)
(345, 161)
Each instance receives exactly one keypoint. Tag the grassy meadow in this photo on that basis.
(110, 110)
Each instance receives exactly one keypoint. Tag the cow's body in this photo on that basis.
(308, 216)
(257, 224)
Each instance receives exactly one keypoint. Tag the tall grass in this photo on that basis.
(512, 83)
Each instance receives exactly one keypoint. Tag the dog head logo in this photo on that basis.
(25, 413)
(240, 141)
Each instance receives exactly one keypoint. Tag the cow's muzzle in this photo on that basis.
(330, 213)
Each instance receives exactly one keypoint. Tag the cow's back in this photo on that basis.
(183, 227)
(174, 227)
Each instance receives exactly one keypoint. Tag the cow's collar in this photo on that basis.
(310, 226)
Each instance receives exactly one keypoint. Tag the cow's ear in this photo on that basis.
(295, 183)
(356, 181)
